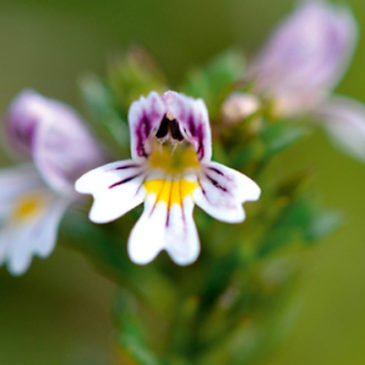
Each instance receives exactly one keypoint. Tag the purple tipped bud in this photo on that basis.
(54, 136)
(306, 56)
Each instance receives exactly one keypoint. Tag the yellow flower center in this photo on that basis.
(28, 207)
(174, 159)
(170, 192)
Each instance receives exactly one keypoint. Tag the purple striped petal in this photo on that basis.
(54, 136)
(145, 116)
(192, 116)
(189, 120)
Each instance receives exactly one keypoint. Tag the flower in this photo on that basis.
(170, 171)
(305, 57)
(303, 61)
(34, 196)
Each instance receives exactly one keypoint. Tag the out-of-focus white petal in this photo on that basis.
(147, 238)
(14, 181)
(144, 116)
(193, 119)
(181, 237)
(54, 135)
(20, 241)
(306, 56)
(223, 191)
(45, 233)
(344, 120)
(116, 187)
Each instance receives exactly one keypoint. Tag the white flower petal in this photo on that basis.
(222, 192)
(14, 181)
(20, 241)
(45, 232)
(181, 237)
(147, 237)
(116, 187)
(344, 120)
(19, 249)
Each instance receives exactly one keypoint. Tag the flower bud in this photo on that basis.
(238, 106)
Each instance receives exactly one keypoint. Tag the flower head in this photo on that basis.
(34, 197)
(54, 136)
(170, 171)
(305, 57)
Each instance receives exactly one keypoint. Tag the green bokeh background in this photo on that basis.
(60, 311)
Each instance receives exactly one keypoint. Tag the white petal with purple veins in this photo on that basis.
(54, 135)
(116, 187)
(144, 116)
(192, 116)
(222, 192)
(181, 236)
(147, 238)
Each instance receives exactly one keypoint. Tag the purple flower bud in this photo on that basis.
(306, 56)
(54, 136)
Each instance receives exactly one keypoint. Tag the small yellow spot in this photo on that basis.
(174, 159)
(28, 207)
(170, 192)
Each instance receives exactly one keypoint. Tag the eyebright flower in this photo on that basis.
(170, 171)
(303, 61)
(34, 196)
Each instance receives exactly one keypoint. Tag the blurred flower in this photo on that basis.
(34, 197)
(305, 57)
(238, 106)
(344, 120)
(170, 170)
(303, 61)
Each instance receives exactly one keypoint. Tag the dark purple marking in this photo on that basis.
(121, 182)
(163, 128)
(143, 130)
(217, 184)
(130, 166)
(175, 130)
(215, 170)
(191, 125)
(200, 137)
